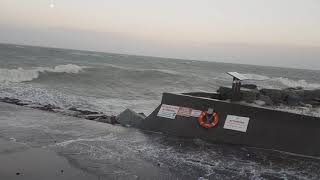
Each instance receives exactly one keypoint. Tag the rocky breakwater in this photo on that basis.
(288, 96)
(126, 118)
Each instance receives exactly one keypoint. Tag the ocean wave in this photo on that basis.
(256, 77)
(280, 82)
(300, 83)
(165, 71)
(87, 54)
(42, 96)
(23, 75)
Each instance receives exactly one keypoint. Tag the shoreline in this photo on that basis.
(94, 149)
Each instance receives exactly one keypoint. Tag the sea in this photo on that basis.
(110, 83)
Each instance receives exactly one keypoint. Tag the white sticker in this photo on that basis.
(168, 111)
(195, 113)
(184, 111)
(236, 123)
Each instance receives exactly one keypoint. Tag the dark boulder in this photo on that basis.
(130, 118)
(84, 112)
(48, 107)
(293, 100)
(23, 103)
(107, 119)
(249, 95)
(142, 114)
(311, 96)
(292, 96)
(249, 86)
(10, 100)
(274, 94)
(92, 116)
(225, 92)
(265, 99)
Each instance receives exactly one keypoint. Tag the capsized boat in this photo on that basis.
(211, 117)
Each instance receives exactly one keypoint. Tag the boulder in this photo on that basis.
(259, 102)
(266, 99)
(249, 86)
(84, 112)
(249, 95)
(10, 100)
(293, 100)
(315, 102)
(311, 95)
(92, 116)
(292, 96)
(107, 119)
(48, 107)
(225, 92)
(274, 94)
(142, 114)
(130, 118)
(23, 103)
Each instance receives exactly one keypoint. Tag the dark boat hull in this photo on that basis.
(267, 128)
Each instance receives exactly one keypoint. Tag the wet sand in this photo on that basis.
(39, 145)
(21, 162)
(36, 144)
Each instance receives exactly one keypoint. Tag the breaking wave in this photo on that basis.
(281, 82)
(23, 75)
(165, 71)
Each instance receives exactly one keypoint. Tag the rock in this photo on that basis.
(225, 92)
(274, 94)
(249, 95)
(314, 103)
(34, 106)
(129, 117)
(107, 119)
(48, 107)
(23, 103)
(292, 96)
(311, 95)
(93, 116)
(306, 105)
(266, 99)
(292, 92)
(84, 112)
(10, 100)
(249, 86)
(259, 102)
(293, 100)
(142, 114)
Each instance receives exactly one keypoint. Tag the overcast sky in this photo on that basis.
(264, 32)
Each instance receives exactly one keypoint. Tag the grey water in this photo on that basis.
(110, 83)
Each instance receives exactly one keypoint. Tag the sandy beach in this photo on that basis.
(39, 145)
(35, 144)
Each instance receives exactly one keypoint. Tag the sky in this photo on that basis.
(263, 32)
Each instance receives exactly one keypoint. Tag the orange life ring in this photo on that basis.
(202, 119)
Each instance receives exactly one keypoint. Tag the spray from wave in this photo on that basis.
(281, 82)
(165, 71)
(23, 75)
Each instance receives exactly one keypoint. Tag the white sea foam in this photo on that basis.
(299, 83)
(22, 75)
(281, 82)
(256, 77)
(165, 71)
(37, 95)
